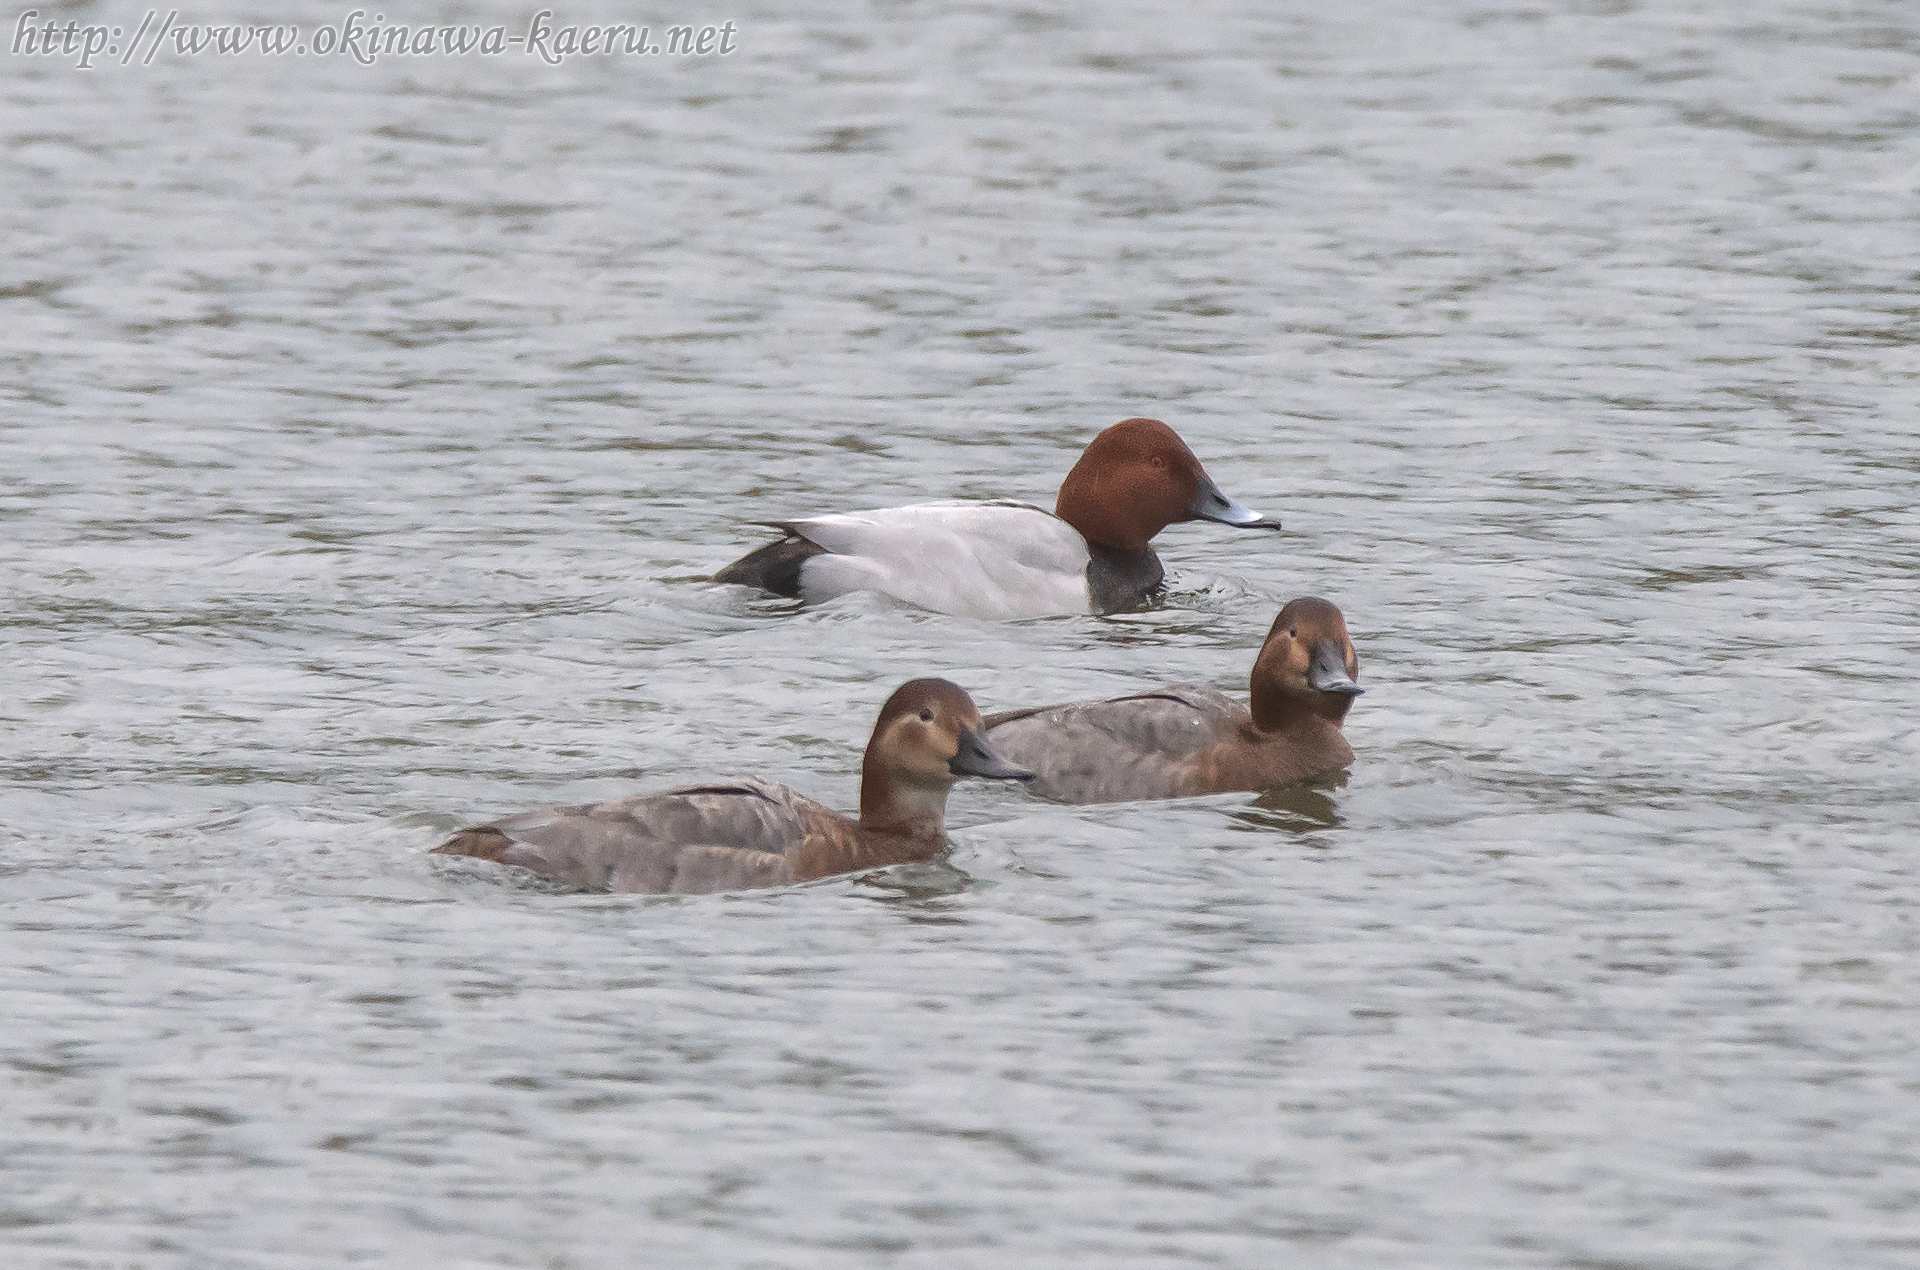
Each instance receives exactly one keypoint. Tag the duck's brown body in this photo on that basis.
(1182, 740)
(1172, 742)
(740, 834)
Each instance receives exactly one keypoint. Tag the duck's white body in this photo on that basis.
(1006, 560)
(997, 561)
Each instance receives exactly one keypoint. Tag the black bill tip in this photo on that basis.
(976, 757)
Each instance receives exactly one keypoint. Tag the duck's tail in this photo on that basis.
(483, 841)
(774, 567)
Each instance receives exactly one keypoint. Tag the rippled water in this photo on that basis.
(369, 431)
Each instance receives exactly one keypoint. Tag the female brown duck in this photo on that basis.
(736, 834)
(1182, 740)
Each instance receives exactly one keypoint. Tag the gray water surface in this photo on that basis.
(368, 433)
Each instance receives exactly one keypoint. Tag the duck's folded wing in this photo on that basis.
(992, 560)
(717, 836)
(1140, 746)
(705, 870)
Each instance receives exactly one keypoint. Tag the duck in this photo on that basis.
(1184, 739)
(742, 834)
(1003, 560)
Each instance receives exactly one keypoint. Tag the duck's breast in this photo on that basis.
(997, 561)
(721, 836)
(1153, 744)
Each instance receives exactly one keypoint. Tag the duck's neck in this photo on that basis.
(896, 825)
(1276, 711)
(1118, 525)
(897, 809)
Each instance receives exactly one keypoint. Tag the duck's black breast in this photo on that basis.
(1120, 581)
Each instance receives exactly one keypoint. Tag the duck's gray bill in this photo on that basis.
(1210, 504)
(977, 758)
(1328, 670)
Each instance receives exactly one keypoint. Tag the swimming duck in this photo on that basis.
(1009, 560)
(734, 835)
(1183, 740)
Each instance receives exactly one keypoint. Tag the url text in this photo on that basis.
(365, 42)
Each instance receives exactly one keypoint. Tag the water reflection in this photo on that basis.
(914, 881)
(1297, 809)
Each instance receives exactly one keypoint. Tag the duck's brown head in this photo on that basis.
(928, 736)
(1135, 479)
(1306, 667)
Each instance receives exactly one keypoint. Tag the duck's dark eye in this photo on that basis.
(1293, 632)
(926, 716)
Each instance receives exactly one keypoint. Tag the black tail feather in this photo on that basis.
(774, 567)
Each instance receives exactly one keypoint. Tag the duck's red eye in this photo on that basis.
(926, 716)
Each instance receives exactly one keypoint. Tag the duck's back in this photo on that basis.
(991, 560)
(718, 836)
(1158, 744)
